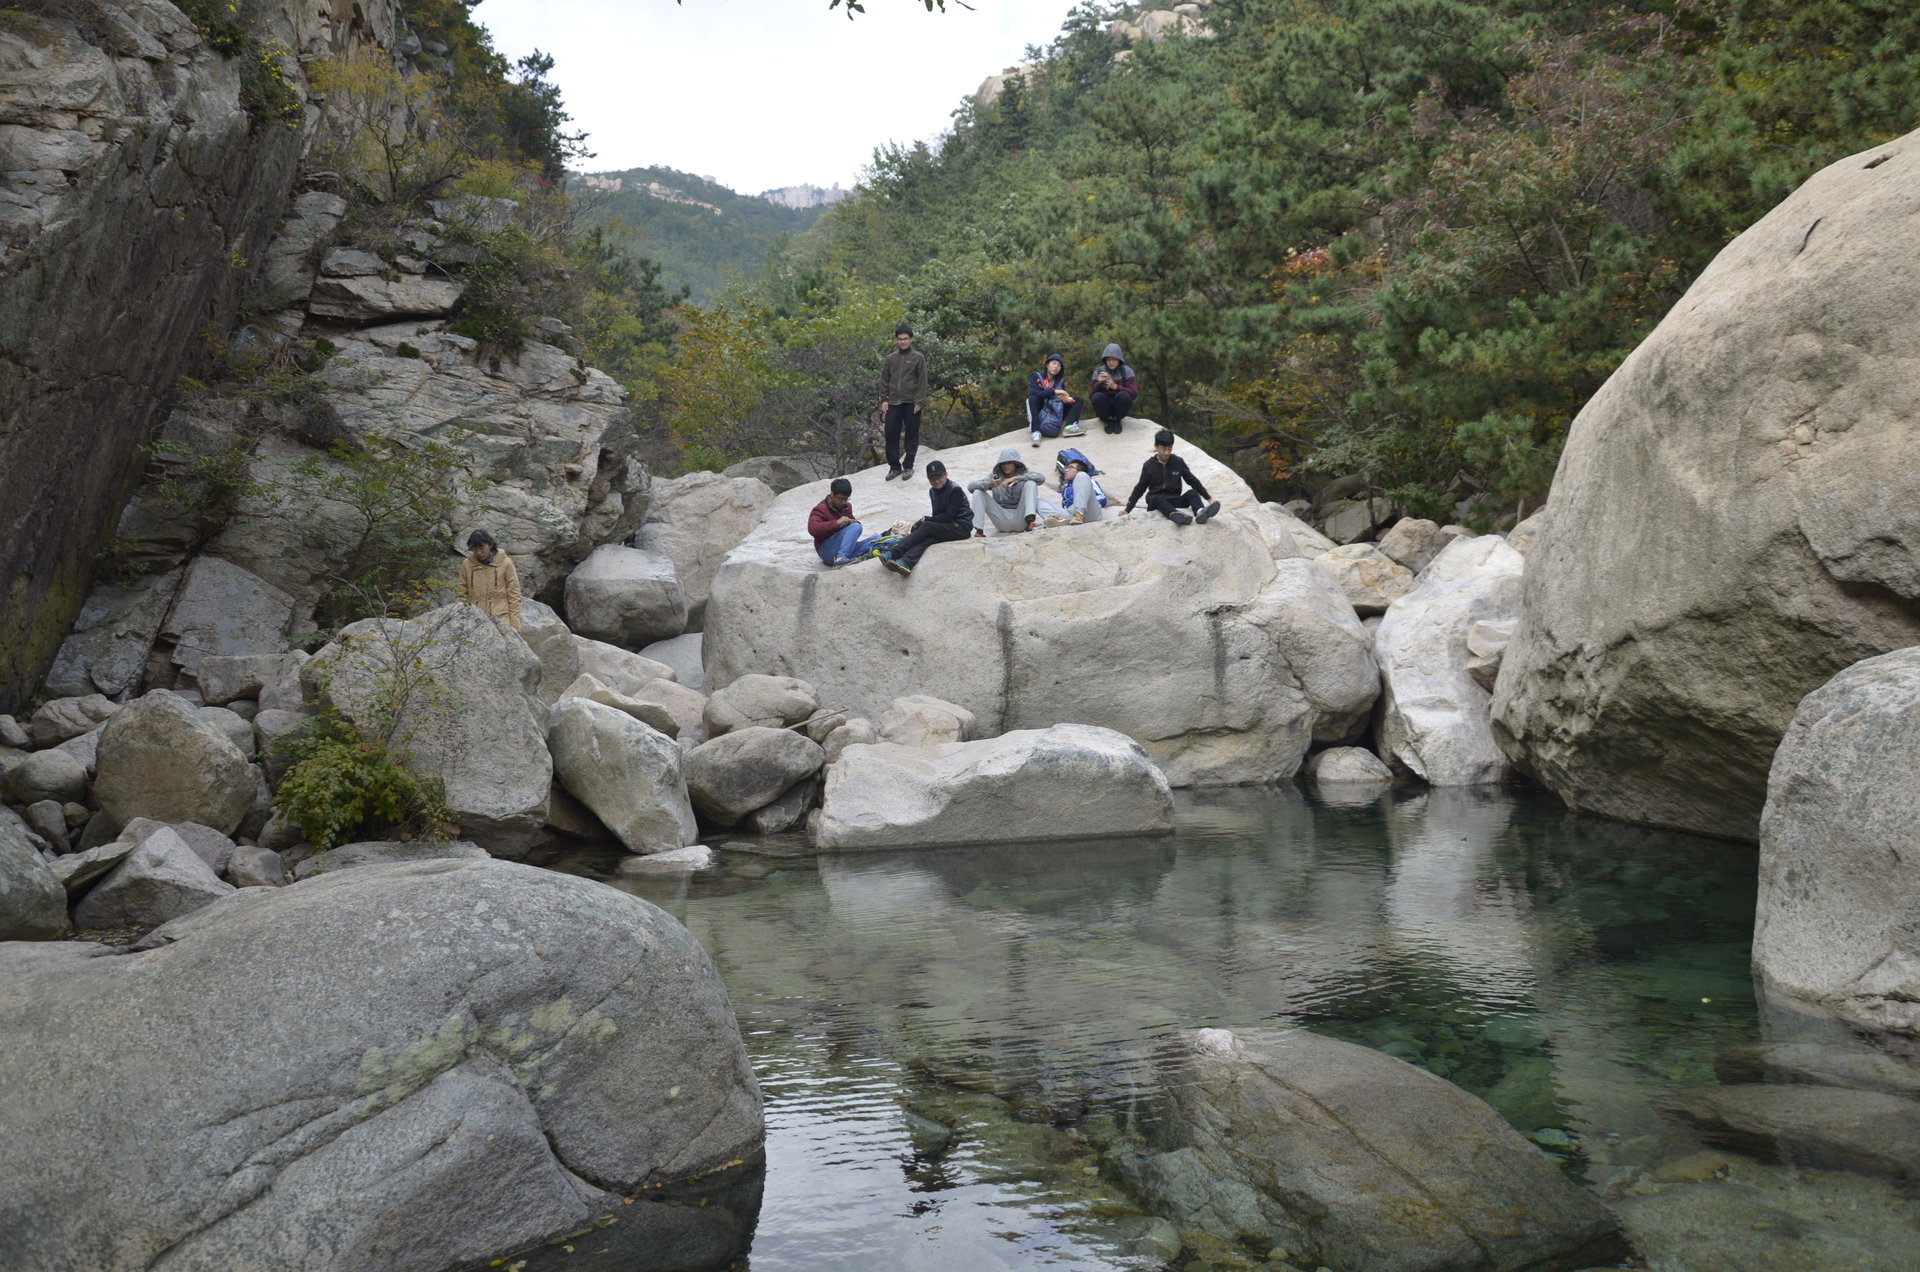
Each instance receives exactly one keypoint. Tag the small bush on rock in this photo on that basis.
(341, 786)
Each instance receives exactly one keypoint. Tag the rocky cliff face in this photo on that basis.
(140, 177)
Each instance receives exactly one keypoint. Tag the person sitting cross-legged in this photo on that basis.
(835, 532)
(1161, 480)
(1008, 498)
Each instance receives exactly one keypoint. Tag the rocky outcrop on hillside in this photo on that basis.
(106, 282)
(1217, 647)
(1736, 516)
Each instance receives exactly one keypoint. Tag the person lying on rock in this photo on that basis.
(951, 520)
(1114, 388)
(836, 535)
(1081, 498)
(1008, 497)
(1161, 479)
(1051, 410)
(488, 580)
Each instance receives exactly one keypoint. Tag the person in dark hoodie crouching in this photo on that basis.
(950, 520)
(1114, 388)
(1161, 480)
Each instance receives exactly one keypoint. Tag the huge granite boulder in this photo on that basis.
(1736, 516)
(627, 772)
(1435, 717)
(1064, 782)
(625, 596)
(748, 769)
(457, 696)
(443, 1062)
(1347, 1158)
(158, 758)
(1209, 645)
(1836, 920)
(695, 521)
(33, 901)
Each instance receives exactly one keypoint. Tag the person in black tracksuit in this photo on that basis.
(1161, 479)
(951, 520)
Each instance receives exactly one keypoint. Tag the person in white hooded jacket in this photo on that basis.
(1008, 498)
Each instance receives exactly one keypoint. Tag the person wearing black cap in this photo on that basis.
(951, 520)
(1161, 478)
(903, 395)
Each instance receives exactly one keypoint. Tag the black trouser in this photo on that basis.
(1167, 505)
(1112, 407)
(925, 535)
(901, 415)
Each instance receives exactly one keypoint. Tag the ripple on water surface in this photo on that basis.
(955, 1044)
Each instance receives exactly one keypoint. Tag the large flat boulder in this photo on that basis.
(158, 758)
(1838, 874)
(695, 521)
(1205, 643)
(1435, 717)
(626, 771)
(421, 1088)
(1736, 516)
(463, 698)
(1064, 782)
(1349, 1158)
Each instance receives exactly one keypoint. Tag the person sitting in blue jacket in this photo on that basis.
(1051, 410)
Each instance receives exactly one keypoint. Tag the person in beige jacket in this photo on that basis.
(489, 581)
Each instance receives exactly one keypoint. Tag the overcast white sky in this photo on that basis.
(764, 93)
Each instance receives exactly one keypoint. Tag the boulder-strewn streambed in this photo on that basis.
(963, 1049)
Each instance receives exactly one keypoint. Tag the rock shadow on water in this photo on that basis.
(703, 1225)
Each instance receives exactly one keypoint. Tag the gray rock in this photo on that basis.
(855, 732)
(1486, 649)
(783, 814)
(223, 609)
(256, 867)
(651, 714)
(1835, 920)
(286, 274)
(76, 870)
(821, 724)
(755, 701)
(114, 632)
(1731, 517)
(694, 521)
(1069, 781)
(628, 773)
(207, 843)
(921, 720)
(470, 717)
(1366, 577)
(159, 759)
(689, 860)
(76, 815)
(225, 677)
(625, 596)
(60, 719)
(682, 653)
(231, 727)
(285, 689)
(12, 735)
(782, 473)
(48, 819)
(270, 727)
(346, 262)
(85, 749)
(687, 707)
(1435, 717)
(1350, 520)
(1414, 542)
(553, 645)
(160, 880)
(422, 1088)
(1347, 764)
(1866, 1131)
(33, 902)
(367, 298)
(619, 669)
(387, 853)
(1857, 1067)
(260, 810)
(245, 708)
(1521, 538)
(45, 775)
(747, 769)
(1354, 1159)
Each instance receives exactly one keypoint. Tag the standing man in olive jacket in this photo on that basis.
(903, 395)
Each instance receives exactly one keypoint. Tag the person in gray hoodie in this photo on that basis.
(1114, 388)
(1008, 498)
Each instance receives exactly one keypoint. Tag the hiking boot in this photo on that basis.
(1208, 513)
(1179, 518)
(892, 473)
(1113, 428)
(898, 567)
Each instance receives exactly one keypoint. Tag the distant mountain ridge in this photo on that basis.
(696, 229)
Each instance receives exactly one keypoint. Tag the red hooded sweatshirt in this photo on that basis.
(823, 520)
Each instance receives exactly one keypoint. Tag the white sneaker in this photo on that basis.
(1072, 430)
(1035, 435)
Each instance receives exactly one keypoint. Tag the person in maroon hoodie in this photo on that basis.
(836, 535)
(1114, 388)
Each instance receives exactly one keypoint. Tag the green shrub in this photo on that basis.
(341, 786)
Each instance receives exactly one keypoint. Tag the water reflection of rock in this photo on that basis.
(692, 1226)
